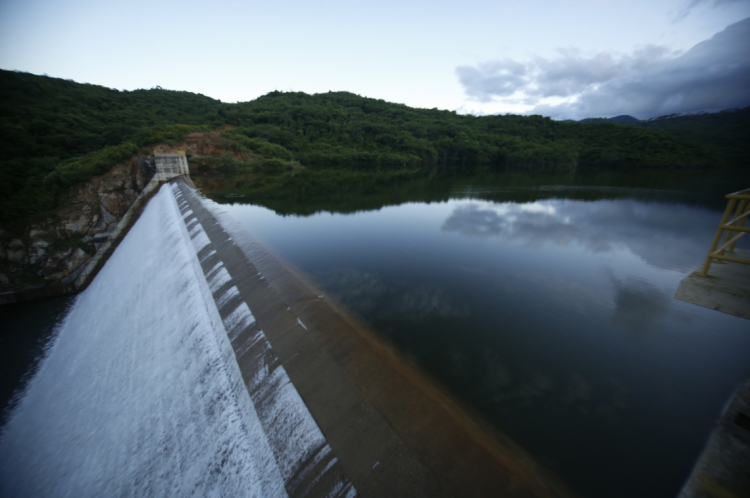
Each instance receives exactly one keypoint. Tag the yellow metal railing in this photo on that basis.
(739, 203)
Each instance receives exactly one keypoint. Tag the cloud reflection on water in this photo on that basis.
(663, 235)
(639, 304)
(368, 295)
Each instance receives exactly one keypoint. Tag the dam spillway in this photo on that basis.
(139, 395)
(196, 364)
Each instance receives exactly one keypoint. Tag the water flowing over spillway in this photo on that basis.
(141, 395)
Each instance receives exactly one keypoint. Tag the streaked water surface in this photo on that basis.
(25, 331)
(549, 310)
(139, 393)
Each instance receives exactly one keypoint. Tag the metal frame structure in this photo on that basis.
(739, 202)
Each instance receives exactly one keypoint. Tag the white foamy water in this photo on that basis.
(140, 394)
(305, 460)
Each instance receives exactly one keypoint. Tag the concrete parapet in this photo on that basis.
(723, 468)
(726, 288)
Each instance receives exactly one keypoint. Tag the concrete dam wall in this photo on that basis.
(196, 363)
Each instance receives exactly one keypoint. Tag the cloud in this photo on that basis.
(651, 81)
(663, 235)
(695, 3)
(490, 79)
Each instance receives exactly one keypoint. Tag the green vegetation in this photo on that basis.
(31, 186)
(48, 117)
(308, 191)
(55, 134)
(725, 133)
(51, 130)
(342, 130)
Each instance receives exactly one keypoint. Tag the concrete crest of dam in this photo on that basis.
(197, 363)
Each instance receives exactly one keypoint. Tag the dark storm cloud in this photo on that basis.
(695, 3)
(663, 235)
(652, 81)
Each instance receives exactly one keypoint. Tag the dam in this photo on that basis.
(196, 363)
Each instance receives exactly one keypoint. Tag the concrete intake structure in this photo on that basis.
(169, 166)
(196, 363)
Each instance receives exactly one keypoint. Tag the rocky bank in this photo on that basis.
(45, 258)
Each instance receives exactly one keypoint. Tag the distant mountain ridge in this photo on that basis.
(725, 132)
(622, 119)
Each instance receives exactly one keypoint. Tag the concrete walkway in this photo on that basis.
(726, 288)
(723, 469)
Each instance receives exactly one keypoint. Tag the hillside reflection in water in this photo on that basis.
(555, 318)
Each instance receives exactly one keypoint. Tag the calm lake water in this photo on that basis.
(550, 310)
(546, 304)
(25, 331)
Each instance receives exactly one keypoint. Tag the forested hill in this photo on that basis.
(50, 117)
(344, 130)
(725, 133)
(55, 133)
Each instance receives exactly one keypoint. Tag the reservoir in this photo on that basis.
(26, 331)
(544, 307)
(547, 309)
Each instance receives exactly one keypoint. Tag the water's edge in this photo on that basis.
(388, 423)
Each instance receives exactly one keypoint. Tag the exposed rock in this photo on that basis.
(86, 211)
(75, 260)
(16, 252)
(36, 254)
(111, 203)
(79, 221)
(202, 144)
(91, 208)
(16, 256)
(54, 265)
(39, 245)
(106, 219)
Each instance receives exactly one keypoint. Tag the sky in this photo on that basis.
(560, 58)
